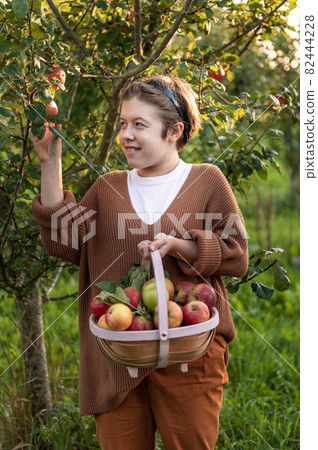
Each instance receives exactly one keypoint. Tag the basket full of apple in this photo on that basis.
(152, 323)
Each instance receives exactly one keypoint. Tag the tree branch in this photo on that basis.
(157, 53)
(237, 38)
(62, 297)
(66, 27)
(248, 43)
(18, 184)
(56, 278)
(83, 16)
(71, 98)
(260, 272)
(260, 137)
(137, 30)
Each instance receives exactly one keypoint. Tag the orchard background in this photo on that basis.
(250, 134)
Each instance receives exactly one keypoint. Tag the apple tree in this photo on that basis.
(102, 46)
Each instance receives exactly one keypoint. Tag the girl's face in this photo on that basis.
(142, 142)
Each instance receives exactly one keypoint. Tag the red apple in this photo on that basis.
(59, 74)
(175, 315)
(281, 100)
(134, 296)
(102, 322)
(205, 293)
(119, 317)
(195, 312)
(218, 75)
(169, 286)
(51, 108)
(140, 323)
(98, 307)
(183, 289)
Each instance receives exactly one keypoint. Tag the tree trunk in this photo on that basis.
(29, 306)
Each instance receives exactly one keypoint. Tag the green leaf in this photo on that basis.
(209, 13)
(37, 114)
(109, 286)
(12, 69)
(277, 250)
(282, 282)
(4, 122)
(257, 163)
(262, 174)
(261, 290)
(125, 281)
(37, 32)
(119, 293)
(138, 275)
(231, 58)
(250, 114)
(274, 100)
(232, 288)
(58, 134)
(33, 173)
(247, 169)
(38, 131)
(20, 8)
(276, 166)
(4, 47)
(21, 204)
(5, 112)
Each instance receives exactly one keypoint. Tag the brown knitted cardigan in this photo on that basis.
(109, 255)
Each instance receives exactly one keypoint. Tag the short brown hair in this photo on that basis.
(168, 113)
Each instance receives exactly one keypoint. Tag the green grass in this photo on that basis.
(261, 401)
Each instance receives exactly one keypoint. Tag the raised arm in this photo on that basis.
(49, 151)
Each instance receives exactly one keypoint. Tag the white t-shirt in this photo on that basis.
(152, 196)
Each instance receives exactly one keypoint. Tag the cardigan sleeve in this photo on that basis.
(65, 228)
(222, 244)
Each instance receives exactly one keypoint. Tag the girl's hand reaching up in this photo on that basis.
(48, 148)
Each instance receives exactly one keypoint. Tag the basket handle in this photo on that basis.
(162, 309)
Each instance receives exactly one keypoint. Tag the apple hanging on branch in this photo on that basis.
(57, 74)
(217, 75)
(51, 109)
(276, 103)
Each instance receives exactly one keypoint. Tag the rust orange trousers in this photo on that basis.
(184, 407)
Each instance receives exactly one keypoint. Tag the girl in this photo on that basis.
(186, 211)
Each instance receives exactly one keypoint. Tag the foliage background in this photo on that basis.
(96, 42)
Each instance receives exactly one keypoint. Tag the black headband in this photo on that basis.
(169, 93)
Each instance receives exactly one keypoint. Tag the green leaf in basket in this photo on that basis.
(125, 282)
(261, 290)
(138, 277)
(109, 286)
(120, 294)
(103, 296)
